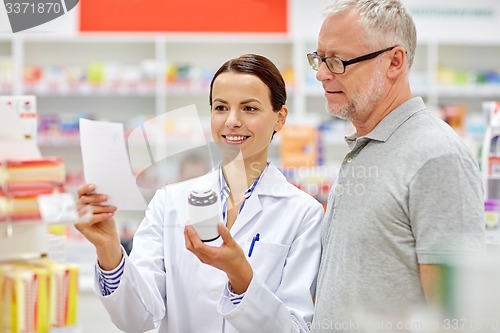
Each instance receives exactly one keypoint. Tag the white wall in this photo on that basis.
(448, 20)
(435, 19)
(452, 20)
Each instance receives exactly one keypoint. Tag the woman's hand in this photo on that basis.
(229, 257)
(101, 229)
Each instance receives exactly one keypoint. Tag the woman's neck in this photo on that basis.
(240, 174)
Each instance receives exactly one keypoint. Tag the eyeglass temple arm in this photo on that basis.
(366, 56)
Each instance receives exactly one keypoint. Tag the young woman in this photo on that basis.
(174, 280)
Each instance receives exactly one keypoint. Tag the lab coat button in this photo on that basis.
(349, 160)
(214, 295)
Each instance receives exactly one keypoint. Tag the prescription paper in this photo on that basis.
(106, 164)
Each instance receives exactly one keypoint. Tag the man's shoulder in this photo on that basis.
(424, 130)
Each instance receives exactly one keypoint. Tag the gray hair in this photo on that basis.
(386, 22)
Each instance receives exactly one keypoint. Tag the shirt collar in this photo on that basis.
(391, 122)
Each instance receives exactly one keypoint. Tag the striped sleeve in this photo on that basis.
(234, 298)
(110, 280)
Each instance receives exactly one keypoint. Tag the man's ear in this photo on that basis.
(398, 62)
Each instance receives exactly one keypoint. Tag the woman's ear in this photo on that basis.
(282, 114)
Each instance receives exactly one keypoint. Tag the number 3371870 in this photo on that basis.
(32, 8)
(461, 324)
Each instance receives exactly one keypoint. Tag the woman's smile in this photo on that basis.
(235, 139)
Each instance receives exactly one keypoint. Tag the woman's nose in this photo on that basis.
(233, 119)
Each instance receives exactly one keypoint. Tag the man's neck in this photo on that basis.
(387, 104)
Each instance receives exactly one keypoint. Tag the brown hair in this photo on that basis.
(261, 67)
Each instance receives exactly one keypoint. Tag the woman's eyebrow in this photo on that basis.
(250, 100)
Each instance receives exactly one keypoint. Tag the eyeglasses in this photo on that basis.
(337, 65)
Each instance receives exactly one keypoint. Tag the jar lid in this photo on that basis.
(492, 205)
(201, 188)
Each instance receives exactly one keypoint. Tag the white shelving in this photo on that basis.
(6, 74)
(151, 54)
(21, 241)
(205, 53)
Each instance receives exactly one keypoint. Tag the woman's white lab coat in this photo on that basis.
(165, 284)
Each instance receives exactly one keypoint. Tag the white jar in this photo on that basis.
(205, 211)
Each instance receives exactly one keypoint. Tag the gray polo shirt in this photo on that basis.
(408, 193)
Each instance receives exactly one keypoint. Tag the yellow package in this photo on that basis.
(63, 290)
(27, 294)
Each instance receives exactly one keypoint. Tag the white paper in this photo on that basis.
(106, 164)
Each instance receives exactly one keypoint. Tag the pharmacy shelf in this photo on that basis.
(6, 70)
(469, 69)
(151, 74)
(22, 241)
(470, 91)
(200, 54)
(25, 239)
(493, 236)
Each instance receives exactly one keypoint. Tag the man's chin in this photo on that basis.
(338, 112)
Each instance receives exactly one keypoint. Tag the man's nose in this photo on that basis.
(323, 72)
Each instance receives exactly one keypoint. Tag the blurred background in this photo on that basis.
(134, 62)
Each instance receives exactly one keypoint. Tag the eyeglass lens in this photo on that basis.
(333, 63)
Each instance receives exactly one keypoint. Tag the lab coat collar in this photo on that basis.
(251, 209)
(272, 183)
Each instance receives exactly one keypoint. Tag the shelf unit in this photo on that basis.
(6, 71)
(471, 57)
(205, 53)
(21, 241)
(26, 278)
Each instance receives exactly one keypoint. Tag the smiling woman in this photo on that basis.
(247, 97)
(259, 276)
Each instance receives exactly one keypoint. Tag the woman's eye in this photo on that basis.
(249, 108)
(220, 108)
